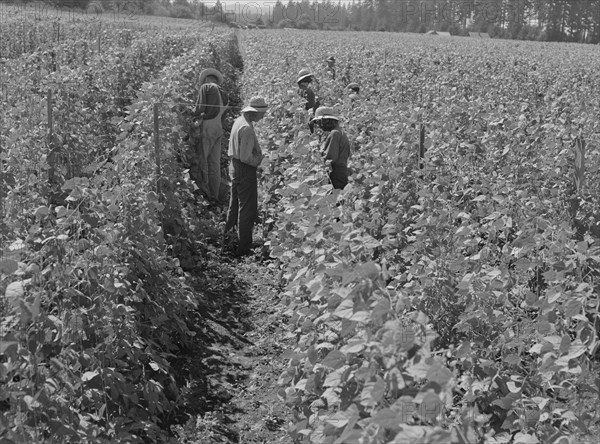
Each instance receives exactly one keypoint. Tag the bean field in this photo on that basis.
(447, 295)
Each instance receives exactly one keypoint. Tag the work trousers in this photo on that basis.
(210, 157)
(339, 176)
(243, 204)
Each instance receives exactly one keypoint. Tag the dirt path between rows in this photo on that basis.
(231, 394)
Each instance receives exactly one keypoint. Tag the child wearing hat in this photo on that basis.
(331, 66)
(305, 78)
(335, 148)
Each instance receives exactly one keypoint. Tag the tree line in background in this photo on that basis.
(548, 20)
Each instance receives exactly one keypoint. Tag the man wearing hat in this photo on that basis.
(212, 103)
(246, 156)
(335, 148)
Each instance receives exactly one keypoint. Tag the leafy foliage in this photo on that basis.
(456, 302)
(97, 308)
(453, 303)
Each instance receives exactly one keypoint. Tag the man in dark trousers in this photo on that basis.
(246, 156)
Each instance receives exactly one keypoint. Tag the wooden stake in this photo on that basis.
(156, 141)
(1, 177)
(421, 145)
(50, 122)
(579, 163)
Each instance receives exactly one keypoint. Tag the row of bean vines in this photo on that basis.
(97, 313)
(86, 95)
(457, 302)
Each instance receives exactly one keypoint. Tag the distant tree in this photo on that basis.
(278, 13)
(557, 20)
(154, 7)
(382, 13)
(368, 16)
(181, 9)
(355, 15)
(344, 20)
(305, 22)
(218, 14)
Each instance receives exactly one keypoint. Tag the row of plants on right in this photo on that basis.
(453, 303)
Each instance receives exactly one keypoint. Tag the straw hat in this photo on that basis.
(331, 59)
(211, 72)
(256, 104)
(325, 112)
(304, 74)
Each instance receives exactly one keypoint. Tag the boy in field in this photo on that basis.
(305, 78)
(331, 66)
(335, 148)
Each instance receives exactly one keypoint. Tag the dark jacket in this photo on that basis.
(311, 100)
(208, 102)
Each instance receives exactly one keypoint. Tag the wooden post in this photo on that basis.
(421, 144)
(1, 178)
(50, 122)
(578, 175)
(156, 141)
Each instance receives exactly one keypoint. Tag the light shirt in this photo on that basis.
(243, 143)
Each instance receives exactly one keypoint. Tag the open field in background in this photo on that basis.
(457, 302)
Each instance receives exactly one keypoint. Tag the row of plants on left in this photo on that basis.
(97, 307)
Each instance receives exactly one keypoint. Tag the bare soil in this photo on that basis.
(231, 389)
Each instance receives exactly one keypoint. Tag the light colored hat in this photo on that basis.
(353, 86)
(331, 59)
(256, 104)
(325, 112)
(303, 75)
(211, 72)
